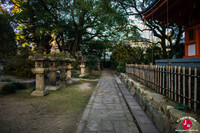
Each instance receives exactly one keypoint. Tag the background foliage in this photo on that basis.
(8, 45)
(123, 53)
(20, 65)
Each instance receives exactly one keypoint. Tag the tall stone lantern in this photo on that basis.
(39, 71)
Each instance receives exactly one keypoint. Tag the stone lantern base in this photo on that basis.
(52, 88)
(40, 93)
(83, 73)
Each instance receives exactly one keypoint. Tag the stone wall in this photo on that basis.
(159, 109)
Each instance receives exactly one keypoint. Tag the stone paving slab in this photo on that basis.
(144, 123)
(107, 111)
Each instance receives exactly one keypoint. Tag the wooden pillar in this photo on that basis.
(197, 35)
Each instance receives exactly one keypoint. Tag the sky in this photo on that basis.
(6, 6)
(140, 24)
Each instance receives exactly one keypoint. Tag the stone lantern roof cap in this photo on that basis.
(38, 58)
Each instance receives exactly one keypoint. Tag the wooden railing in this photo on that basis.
(180, 84)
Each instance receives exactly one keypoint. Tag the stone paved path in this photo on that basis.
(107, 111)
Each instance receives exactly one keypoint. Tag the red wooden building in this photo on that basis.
(181, 12)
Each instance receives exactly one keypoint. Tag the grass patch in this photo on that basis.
(62, 108)
(69, 99)
(66, 100)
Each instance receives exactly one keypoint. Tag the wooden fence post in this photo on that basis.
(169, 79)
(155, 76)
(172, 83)
(160, 80)
(195, 89)
(189, 87)
(179, 84)
(184, 96)
(175, 83)
(163, 80)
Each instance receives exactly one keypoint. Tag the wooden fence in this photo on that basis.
(180, 84)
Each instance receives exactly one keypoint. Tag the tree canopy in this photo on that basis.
(169, 35)
(73, 22)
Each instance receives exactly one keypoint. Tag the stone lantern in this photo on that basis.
(82, 66)
(52, 73)
(39, 71)
(69, 68)
(63, 68)
(99, 65)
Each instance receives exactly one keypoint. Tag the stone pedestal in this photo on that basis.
(39, 71)
(52, 74)
(82, 66)
(69, 73)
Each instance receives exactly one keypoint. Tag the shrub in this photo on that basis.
(19, 86)
(127, 53)
(6, 80)
(121, 67)
(85, 77)
(91, 60)
(76, 75)
(20, 65)
(12, 87)
(8, 89)
(75, 65)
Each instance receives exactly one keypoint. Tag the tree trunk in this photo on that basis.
(75, 44)
(164, 48)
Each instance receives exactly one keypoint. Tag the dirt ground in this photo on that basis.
(59, 112)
